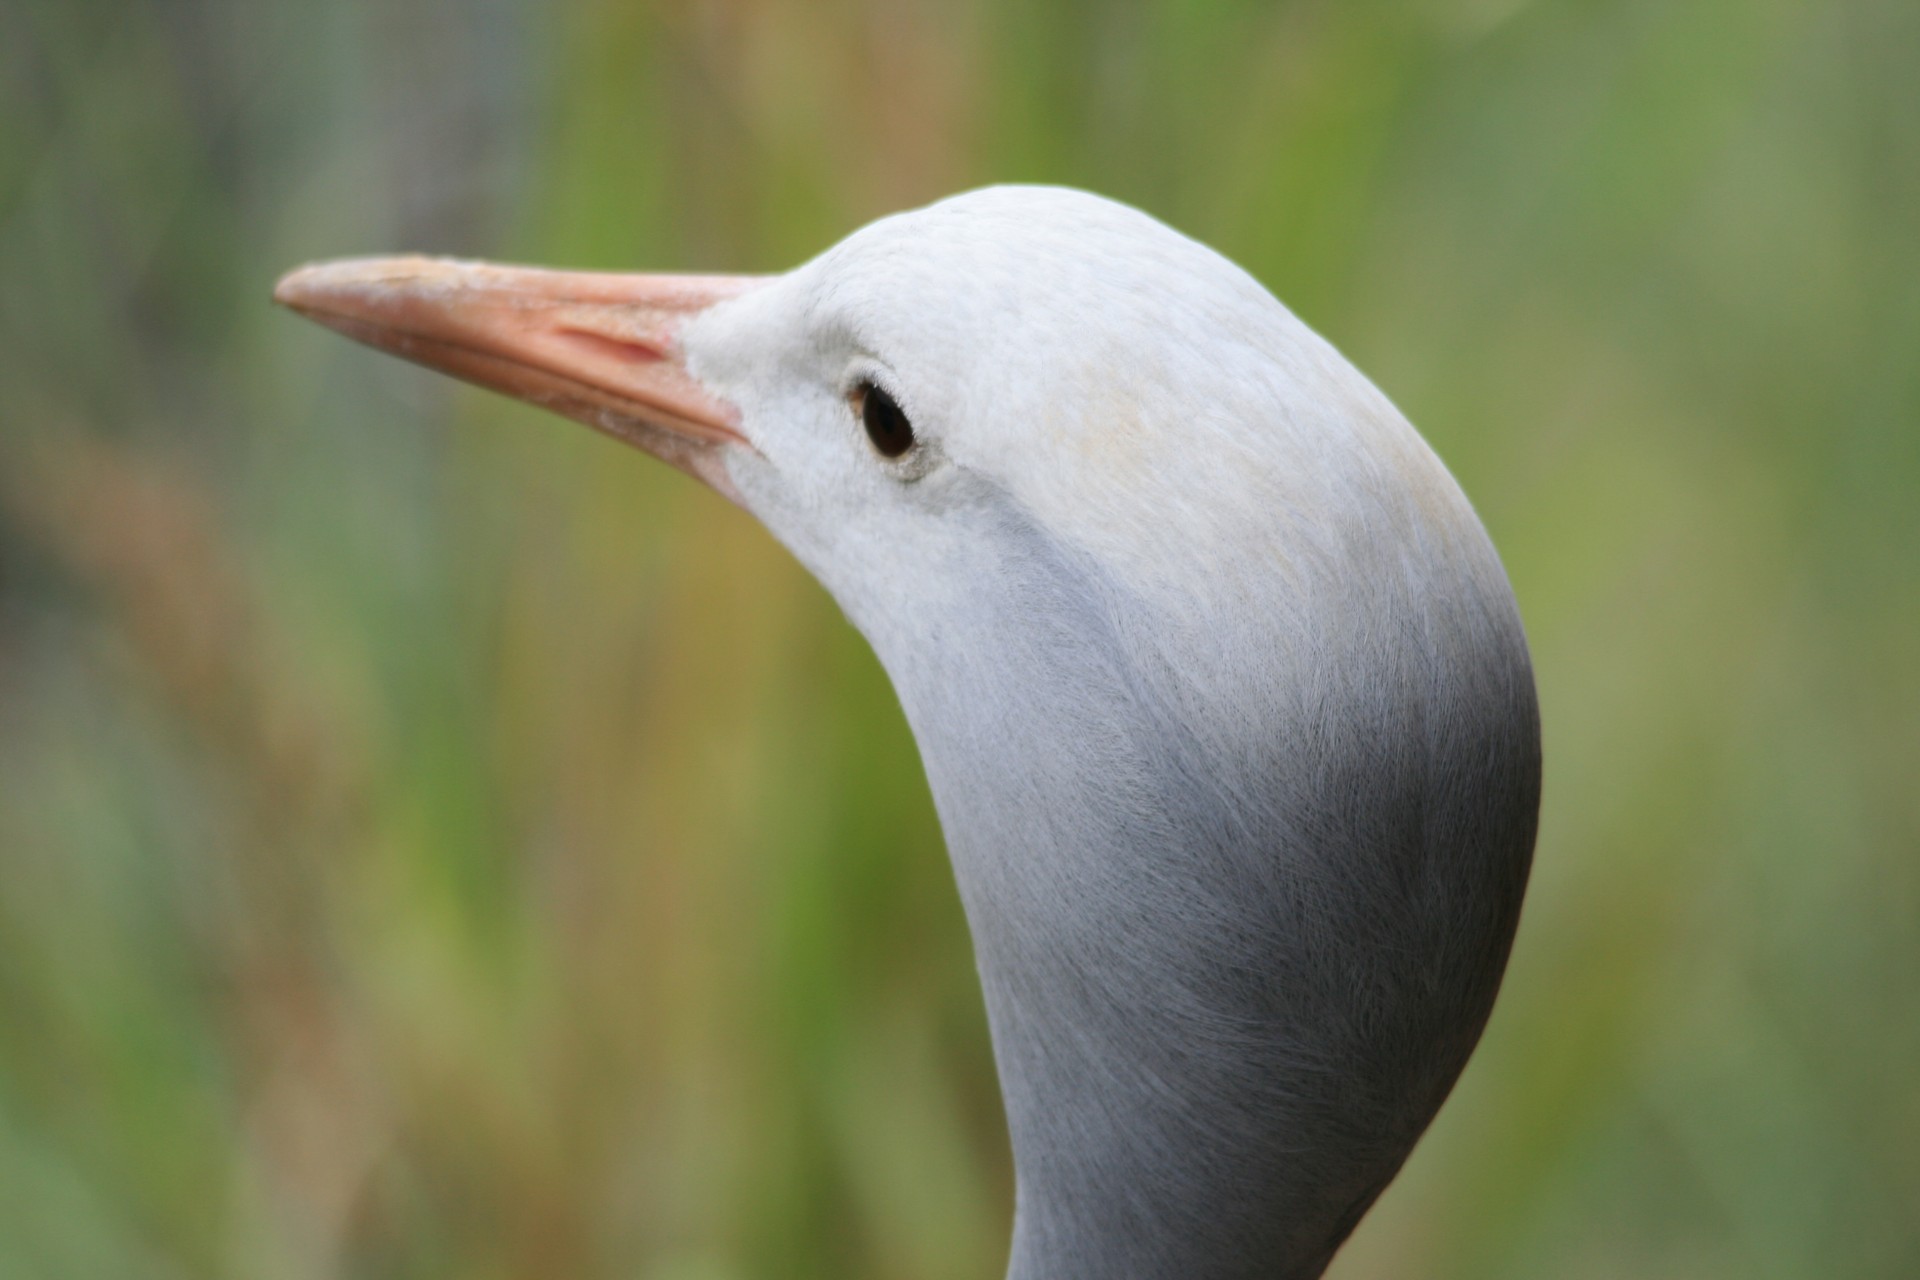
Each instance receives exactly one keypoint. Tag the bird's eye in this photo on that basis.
(886, 423)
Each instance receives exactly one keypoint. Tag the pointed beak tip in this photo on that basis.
(294, 289)
(321, 286)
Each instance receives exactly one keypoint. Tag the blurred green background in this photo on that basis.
(436, 841)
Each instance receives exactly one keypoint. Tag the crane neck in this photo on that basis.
(1238, 922)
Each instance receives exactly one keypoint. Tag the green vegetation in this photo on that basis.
(437, 842)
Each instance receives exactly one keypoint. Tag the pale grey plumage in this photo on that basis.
(1223, 698)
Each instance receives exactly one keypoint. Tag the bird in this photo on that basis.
(1219, 684)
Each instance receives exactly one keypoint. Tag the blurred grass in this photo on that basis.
(434, 842)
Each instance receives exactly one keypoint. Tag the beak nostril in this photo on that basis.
(619, 348)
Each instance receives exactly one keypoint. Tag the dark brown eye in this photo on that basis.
(887, 426)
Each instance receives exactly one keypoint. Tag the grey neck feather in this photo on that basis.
(1230, 973)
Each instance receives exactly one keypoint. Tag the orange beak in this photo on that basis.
(597, 347)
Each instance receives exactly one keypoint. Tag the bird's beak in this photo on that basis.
(598, 347)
